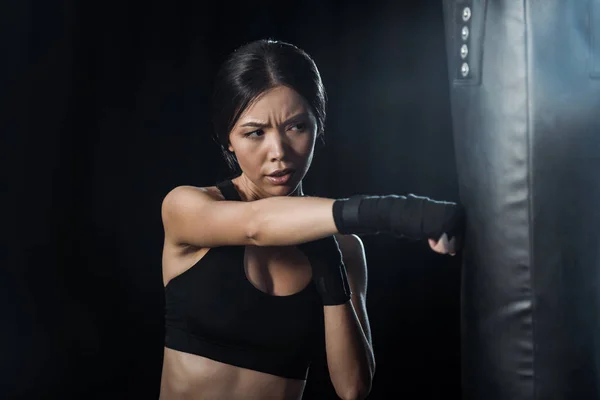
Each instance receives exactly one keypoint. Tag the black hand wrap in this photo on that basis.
(328, 269)
(409, 216)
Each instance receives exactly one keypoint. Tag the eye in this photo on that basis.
(254, 134)
(301, 126)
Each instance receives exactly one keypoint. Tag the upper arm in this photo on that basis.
(195, 216)
(353, 255)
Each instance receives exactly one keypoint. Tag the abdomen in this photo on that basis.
(188, 376)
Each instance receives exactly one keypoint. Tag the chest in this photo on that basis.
(257, 296)
(276, 271)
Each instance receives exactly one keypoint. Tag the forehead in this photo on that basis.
(279, 102)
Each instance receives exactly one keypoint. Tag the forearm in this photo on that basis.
(283, 221)
(349, 354)
(288, 220)
(194, 217)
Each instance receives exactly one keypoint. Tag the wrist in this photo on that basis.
(411, 216)
(331, 281)
(356, 215)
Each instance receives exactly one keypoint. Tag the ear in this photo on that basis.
(230, 148)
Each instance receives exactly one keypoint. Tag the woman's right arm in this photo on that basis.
(195, 217)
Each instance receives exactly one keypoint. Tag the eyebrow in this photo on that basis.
(257, 124)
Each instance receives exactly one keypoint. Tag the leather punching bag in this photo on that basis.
(525, 95)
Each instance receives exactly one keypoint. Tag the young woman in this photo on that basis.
(255, 272)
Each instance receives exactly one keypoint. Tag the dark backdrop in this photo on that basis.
(106, 109)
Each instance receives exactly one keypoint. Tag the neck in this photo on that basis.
(249, 191)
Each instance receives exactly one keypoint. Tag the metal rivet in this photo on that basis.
(466, 15)
(464, 33)
(464, 51)
(464, 69)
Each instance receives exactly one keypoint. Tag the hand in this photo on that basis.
(445, 246)
(328, 270)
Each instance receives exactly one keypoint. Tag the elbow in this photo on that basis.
(359, 391)
(357, 384)
(354, 395)
(252, 232)
(254, 225)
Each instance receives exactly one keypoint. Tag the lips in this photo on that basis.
(281, 172)
(280, 177)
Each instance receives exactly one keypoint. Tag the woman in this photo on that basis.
(255, 272)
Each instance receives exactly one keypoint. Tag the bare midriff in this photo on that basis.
(192, 377)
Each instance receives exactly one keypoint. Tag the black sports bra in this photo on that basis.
(212, 310)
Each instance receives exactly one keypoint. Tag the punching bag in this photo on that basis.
(525, 96)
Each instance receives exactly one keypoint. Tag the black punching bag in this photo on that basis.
(525, 95)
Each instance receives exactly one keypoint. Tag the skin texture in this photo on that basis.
(276, 131)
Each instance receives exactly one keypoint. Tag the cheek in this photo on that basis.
(308, 147)
(247, 154)
(305, 144)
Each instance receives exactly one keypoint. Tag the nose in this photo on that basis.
(277, 146)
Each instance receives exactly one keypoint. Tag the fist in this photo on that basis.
(445, 246)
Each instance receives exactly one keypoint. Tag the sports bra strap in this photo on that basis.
(228, 190)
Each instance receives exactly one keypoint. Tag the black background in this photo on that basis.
(106, 109)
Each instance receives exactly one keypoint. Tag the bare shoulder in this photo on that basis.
(185, 197)
(193, 193)
(184, 202)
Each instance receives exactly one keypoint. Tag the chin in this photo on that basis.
(282, 190)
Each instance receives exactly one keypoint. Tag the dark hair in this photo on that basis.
(255, 68)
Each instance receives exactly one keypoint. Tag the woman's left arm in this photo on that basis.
(347, 333)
